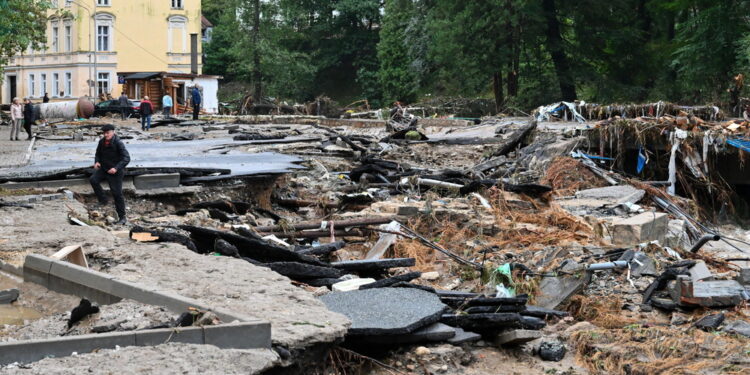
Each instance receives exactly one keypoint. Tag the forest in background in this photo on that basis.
(522, 53)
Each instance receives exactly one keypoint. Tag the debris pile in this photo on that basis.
(589, 242)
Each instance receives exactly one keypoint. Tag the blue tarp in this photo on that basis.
(742, 144)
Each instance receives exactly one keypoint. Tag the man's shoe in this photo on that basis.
(122, 221)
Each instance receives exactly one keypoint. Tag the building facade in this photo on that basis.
(90, 41)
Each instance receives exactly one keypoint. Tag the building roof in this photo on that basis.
(148, 75)
(144, 75)
(205, 23)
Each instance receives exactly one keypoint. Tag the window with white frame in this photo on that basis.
(55, 36)
(104, 32)
(103, 84)
(102, 3)
(177, 4)
(55, 84)
(43, 80)
(68, 38)
(102, 37)
(32, 85)
(68, 84)
(177, 34)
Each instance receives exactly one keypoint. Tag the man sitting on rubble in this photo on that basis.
(109, 163)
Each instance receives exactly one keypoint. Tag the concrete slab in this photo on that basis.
(700, 272)
(433, 332)
(517, 337)
(386, 311)
(238, 335)
(553, 291)
(614, 195)
(156, 181)
(645, 227)
(717, 293)
(34, 350)
(186, 335)
(462, 337)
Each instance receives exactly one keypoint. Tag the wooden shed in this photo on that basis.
(156, 84)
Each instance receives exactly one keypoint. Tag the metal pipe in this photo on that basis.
(607, 265)
(702, 241)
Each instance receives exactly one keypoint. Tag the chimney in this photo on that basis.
(194, 53)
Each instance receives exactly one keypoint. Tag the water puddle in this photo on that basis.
(17, 315)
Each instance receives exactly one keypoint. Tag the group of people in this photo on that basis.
(147, 107)
(21, 115)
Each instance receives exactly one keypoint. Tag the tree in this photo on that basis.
(396, 76)
(23, 24)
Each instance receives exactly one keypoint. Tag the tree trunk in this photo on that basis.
(557, 52)
(512, 44)
(257, 76)
(497, 89)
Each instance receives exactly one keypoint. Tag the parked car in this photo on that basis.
(108, 107)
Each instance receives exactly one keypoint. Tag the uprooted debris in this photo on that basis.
(510, 233)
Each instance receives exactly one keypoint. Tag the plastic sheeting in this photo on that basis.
(545, 113)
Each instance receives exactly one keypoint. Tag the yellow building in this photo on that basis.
(95, 39)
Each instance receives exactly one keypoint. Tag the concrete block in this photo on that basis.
(152, 337)
(349, 285)
(227, 316)
(238, 335)
(645, 227)
(517, 337)
(464, 337)
(699, 272)
(432, 332)
(156, 181)
(82, 276)
(744, 277)
(37, 277)
(65, 286)
(137, 292)
(175, 302)
(34, 350)
(408, 211)
(38, 263)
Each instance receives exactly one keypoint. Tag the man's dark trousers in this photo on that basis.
(115, 186)
(196, 109)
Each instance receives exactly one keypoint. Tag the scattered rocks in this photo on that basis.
(552, 351)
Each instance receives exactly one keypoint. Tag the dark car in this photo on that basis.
(108, 107)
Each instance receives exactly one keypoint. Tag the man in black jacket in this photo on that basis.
(109, 163)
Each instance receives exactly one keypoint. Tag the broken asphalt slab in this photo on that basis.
(386, 311)
(373, 265)
(432, 332)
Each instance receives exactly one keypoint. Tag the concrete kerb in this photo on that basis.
(226, 336)
(82, 279)
(240, 332)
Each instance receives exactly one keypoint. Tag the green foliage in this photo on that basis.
(396, 75)
(618, 51)
(23, 23)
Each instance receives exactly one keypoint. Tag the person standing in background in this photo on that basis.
(46, 98)
(16, 118)
(28, 116)
(196, 96)
(124, 105)
(147, 109)
(166, 103)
